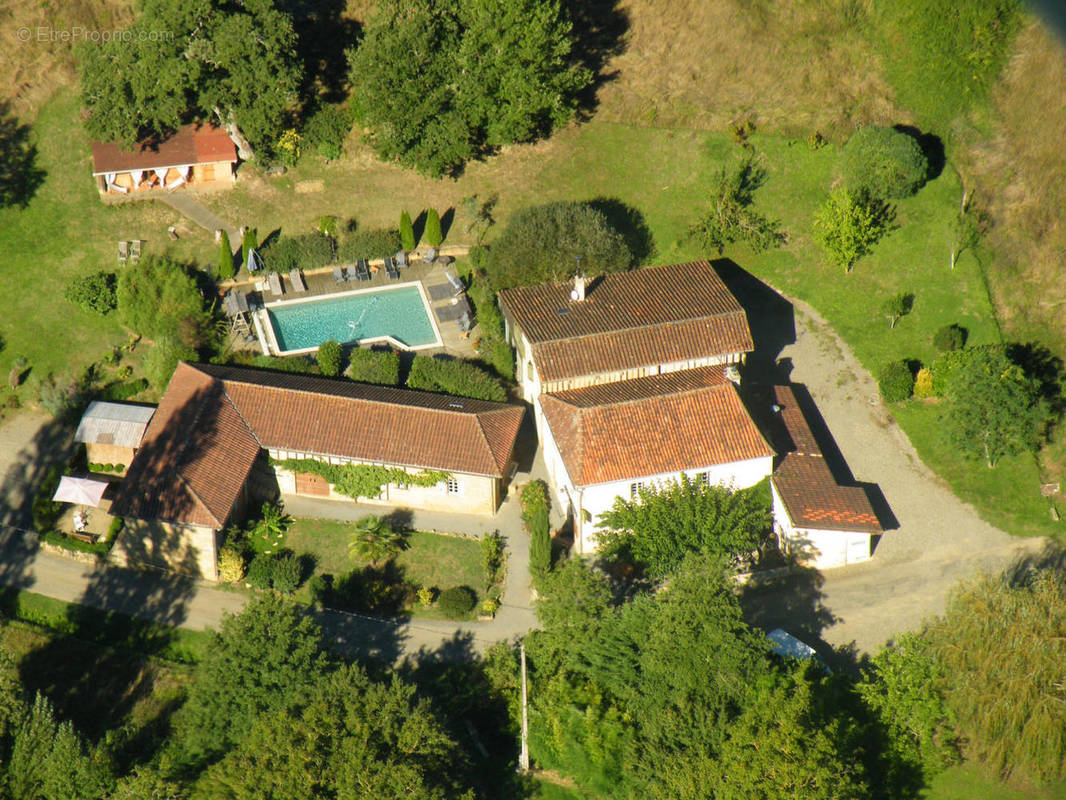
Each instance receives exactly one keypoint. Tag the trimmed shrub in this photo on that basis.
(407, 231)
(432, 233)
(287, 573)
(374, 366)
(492, 346)
(895, 381)
(491, 556)
(225, 257)
(371, 243)
(949, 337)
(261, 571)
(329, 357)
(115, 528)
(884, 163)
(454, 377)
(327, 130)
(923, 383)
(308, 251)
(94, 293)
(230, 565)
(540, 544)
(457, 602)
(123, 390)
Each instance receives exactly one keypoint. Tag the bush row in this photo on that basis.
(454, 377)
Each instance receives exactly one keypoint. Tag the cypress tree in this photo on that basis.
(407, 231)
(433, 234)
(225, 257)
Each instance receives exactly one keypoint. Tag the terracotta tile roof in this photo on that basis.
(185, 478)
(190, 144)
(647, 316)
(213, 421)
(651, 426)
(808, 490)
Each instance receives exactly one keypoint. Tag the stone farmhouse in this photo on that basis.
(207, 454)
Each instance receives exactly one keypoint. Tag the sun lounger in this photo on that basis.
(297, 281)
(390, 270)
(274, 282)
(431, 255)
(349, 273)
(338, 275)
(123, 252)
(362, 269)
(454, 280)
(401, 259)
(135, 250)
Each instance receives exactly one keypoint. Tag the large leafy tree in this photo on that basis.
(665, 523)
(260, 661)
(552, 241)
(436, 83)
(352, 737)
(234, 62)
(994, 409)
(159, 299)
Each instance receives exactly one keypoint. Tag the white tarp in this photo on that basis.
(82, 491)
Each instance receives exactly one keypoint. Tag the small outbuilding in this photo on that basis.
(818, 521)
(194, 155)
(112, 432)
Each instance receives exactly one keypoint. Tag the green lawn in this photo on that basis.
(66, 232)
(431, 559)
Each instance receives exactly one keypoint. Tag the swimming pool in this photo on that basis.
(399, 315)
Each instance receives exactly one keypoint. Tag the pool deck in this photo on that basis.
(320, 283)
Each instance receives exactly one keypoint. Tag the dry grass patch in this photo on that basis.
(793, 66)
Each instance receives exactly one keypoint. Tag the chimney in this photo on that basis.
(578, 293)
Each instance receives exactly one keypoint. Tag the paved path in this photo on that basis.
(186, 204)
(940, 540)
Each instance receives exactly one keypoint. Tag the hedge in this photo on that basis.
(308, 251)
(371, 243)
(374, 366)
(454, 377)
(297, 364)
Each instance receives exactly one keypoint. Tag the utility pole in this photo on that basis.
(523, 756)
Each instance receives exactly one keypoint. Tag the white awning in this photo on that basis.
(82, 491)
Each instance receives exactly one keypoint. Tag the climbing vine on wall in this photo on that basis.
(360, 480)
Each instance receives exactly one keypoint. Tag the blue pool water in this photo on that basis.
(399, 313)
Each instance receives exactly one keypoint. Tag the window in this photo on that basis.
(634, 489)
(453, 486)
(702, 479)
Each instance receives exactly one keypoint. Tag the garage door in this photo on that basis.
(309, 483)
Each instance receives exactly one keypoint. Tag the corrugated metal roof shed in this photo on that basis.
(121, 424)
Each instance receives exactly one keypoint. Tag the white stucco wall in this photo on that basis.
(816, 547)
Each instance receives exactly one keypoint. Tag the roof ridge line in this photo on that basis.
(237, 411)
(677, 393)
(646, 326)
(196, 496)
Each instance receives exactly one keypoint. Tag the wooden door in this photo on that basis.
(309, 483)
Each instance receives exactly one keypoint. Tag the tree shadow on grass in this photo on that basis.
(20, 177)
(600, 27)
(323, 32)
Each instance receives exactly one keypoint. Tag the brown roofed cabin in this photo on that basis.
(204, 458)
(819, 521)
(194, 155)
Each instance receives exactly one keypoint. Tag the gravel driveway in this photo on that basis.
(940, 540)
